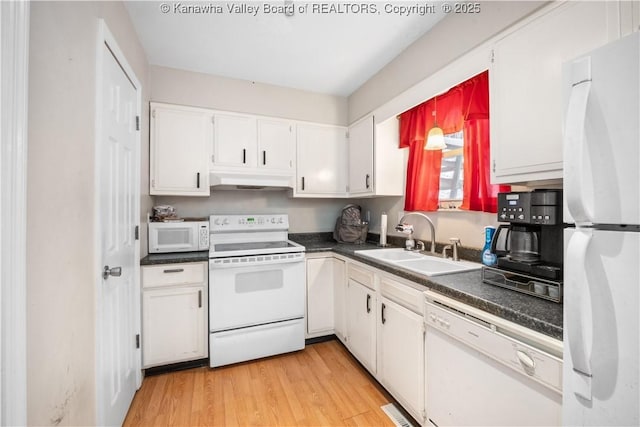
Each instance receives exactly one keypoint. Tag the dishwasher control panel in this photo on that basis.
(486, 338)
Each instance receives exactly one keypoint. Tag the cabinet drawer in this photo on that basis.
(361, 276)
(402, 294)
(174, 274)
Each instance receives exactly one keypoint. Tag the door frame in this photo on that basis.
(105, 37)
(14, 77)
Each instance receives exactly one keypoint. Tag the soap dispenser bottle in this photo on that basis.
(488, 257)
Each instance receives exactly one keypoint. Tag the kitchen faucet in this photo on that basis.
(431, 228)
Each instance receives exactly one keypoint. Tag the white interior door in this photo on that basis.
(118, 358)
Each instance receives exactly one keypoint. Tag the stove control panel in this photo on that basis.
(223, 223)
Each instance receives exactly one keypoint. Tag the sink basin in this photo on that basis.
(419, 263)
(392, 254)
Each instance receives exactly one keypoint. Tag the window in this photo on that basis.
(459, 175)
(452, 170)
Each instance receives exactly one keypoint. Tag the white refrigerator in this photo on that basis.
(602, 241)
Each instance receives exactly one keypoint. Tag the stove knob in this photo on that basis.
(225, 221)
(280, 220)
(273, 220)
(521, 217)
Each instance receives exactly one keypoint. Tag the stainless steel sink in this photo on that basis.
(419, 263)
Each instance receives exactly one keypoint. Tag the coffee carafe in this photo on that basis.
(524, 244)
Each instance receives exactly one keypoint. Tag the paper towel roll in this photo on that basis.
(383, 229)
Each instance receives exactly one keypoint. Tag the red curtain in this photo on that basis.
(463, 107)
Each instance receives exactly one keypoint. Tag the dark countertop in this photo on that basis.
(534, 313)
(175, 258)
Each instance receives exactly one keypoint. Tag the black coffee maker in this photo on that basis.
(532, 241)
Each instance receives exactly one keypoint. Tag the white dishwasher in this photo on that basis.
(482, 370)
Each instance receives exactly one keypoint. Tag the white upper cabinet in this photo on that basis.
(234, 141)
(179, 147)
(276, 145)
(244, 142)
(321, 161)
(361, 145)
(376, 164)
(526, 90)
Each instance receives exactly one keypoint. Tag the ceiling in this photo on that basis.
(332, 48)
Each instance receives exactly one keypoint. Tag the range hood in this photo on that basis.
(254, 180)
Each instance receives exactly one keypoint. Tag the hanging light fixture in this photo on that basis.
(435, 139)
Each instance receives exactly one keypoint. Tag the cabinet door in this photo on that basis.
(322, 161)
(276, 145)
(174, 325)
(234, 141)
(180, 140)
(401, 355)
(526, 89)
(361, 324)
(361, 157)
(340, 299)
(320, 276)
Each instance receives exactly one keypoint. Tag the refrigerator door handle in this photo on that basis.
(574, 143)
(580, 329)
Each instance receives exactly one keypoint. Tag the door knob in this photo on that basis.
(115, 271)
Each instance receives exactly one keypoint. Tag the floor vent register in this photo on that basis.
(395, 415)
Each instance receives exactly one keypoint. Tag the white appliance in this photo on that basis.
(503, 375)
(602, 251)
(178, 236)
(256, 288)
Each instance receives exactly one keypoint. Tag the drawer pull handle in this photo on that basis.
(174, 270)
(200, 299)
(368, 305)
(382, 313)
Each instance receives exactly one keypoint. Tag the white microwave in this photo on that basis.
(184, 236)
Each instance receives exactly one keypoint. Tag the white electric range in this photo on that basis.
(256, 288)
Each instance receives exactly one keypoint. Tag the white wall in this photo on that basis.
(60, 197)
(305, 215)
(208, 91)
(467, 226)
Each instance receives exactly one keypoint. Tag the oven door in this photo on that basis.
(255, 290)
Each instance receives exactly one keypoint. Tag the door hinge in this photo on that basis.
(153, 113)
(213, 158)
(492, 56)
(346, 134)
(424, 329)
(424, 416)
(137, 122)
(137, 340)
(136, 232)
(494, 166)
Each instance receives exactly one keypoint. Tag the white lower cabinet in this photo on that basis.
(174, 313)
(361, 317)
(401, 351)
(324, 275)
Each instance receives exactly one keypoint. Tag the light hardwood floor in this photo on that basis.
(321, 385)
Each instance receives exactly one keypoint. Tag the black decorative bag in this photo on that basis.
(349, 226)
